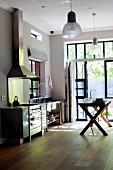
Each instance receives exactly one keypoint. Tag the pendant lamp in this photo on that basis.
(95, 48)
(71, 29)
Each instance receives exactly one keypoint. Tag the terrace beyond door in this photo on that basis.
(96, 75)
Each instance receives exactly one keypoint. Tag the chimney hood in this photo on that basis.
(18, 70)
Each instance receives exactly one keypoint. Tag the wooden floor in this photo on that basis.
(62, 148)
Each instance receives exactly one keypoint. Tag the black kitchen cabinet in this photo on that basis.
(15, 123)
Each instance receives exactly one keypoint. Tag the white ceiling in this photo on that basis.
(53, 15)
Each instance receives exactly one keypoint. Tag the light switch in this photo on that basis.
(2, 97)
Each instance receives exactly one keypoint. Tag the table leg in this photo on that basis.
(105, 120)
(101, 129)
(101, 115)
(93, 120)
(97, 124)
(85, 129)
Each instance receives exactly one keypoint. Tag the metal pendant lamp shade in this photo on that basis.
(71, 29)
(95, 48)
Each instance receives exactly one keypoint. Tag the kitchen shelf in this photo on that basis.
(54, 113)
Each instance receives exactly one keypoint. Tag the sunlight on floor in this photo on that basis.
(70, 127)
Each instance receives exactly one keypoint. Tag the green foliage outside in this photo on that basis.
(94, 69)
(108, 113)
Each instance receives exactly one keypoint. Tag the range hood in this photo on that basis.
(18, 70)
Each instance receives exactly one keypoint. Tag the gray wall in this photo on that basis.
(5, 51)
(5, 54)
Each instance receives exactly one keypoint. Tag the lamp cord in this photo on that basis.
(94, 14)
(71, 4)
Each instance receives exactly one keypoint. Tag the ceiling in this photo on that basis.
(51, 15)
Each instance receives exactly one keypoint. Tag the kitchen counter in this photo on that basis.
(28, 119)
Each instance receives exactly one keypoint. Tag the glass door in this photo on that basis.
(109, 87)
(81, 88)
(80, 95)
(96, 79)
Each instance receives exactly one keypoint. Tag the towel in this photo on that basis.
(50, 82)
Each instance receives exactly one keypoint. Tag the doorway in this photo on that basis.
(90, 72)
(93, 79)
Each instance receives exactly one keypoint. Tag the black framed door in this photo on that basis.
(80, 95)
(109, 88)
(81, 88)
(109, 79)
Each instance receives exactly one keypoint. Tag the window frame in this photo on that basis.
(36, 80)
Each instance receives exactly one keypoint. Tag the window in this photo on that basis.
(83, 51)
(71, 52)
(88, 51)
(36, 35)
(34, 83)
(108, 49)
(80, 51)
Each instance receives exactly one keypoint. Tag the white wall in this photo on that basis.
(43, 46)
(6, 56)
(57, 66)
(22, 91)
(6, 53)
(57, 58)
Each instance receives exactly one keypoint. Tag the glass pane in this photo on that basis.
(108, 49)
(80, 84)
(109, 79)
(80, 92)
(80, 100)
(101, 54)
(71, 52)
(80, 51)
(80, 70)
(35, 92)
(88, 51)
(34, 84)
(109, 112)
(96, 79)
(81, 113)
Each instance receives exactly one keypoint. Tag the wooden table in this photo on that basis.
(102, 106)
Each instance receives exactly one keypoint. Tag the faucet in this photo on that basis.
(92, 90)
(42, 94)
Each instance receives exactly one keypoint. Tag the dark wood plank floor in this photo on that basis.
(62, 148)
